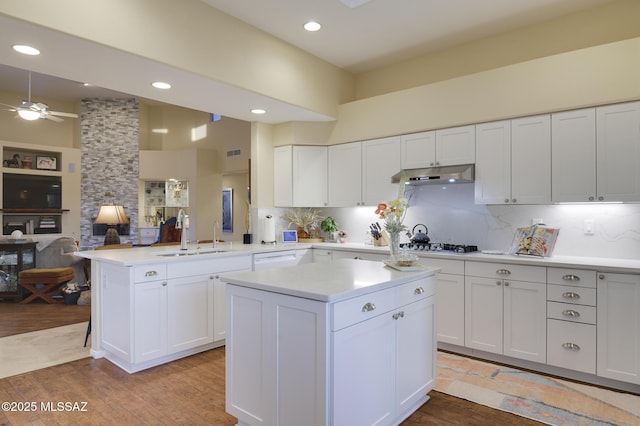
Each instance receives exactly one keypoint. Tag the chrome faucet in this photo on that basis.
(182, 222)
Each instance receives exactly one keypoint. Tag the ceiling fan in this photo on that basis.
(33, 110)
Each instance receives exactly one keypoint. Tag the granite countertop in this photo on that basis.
(342, 279)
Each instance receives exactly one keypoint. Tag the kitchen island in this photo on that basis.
(345, 342)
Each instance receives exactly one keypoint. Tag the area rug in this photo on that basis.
(26, 352)
(538, 397)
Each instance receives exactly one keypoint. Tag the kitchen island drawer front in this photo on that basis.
(208, 266)
(152, 272)
(570, 312)
(571, 345)
(506, 271)
(361, 308)
(573, 277)
(455, 267)
(414, 291)
(569, 294)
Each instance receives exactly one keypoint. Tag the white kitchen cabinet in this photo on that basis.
(618, 151)
(505, 308)
(446, 147)
(380, 161)
(618, 328)
(300, 176)
(220, 306)
(332, 363)
(418, 150)
(345, 175)
(573, 156)
(150, 320)
(450, 285)
(513, 161)
(359, 255)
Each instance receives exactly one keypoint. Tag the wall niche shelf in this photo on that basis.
(20, 159)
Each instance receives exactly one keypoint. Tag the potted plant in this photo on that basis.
(330, 226)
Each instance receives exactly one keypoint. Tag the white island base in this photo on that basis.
(347, 343)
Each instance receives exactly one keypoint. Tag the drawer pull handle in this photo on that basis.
(571, 295)
(571, 346)
(418, 290)
(398, 315)
(368, 307)
(503, 272)
(570, 313)
(151, 273)
(164, 283)
(571, 277)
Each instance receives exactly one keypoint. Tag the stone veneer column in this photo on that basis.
(109, 163)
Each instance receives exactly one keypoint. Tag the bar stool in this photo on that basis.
(50, 279)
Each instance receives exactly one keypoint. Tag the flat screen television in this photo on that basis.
(21, 191)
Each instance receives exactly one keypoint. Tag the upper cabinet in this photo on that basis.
(300, 176)
(595, 154)
(345, 175)
(444, 147)
(380, 161)
(513, 161)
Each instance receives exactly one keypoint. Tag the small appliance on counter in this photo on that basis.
(268, 230)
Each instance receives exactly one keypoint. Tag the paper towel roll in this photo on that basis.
(269, 230)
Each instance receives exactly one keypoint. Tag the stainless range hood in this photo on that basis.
(438, 175)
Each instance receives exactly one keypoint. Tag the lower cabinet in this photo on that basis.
(450, 285)
(619, 327)
(361, 361)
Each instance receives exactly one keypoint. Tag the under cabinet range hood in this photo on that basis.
(464, 173)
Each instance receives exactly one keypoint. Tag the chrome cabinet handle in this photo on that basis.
(506, 283)
(418, 290)
(601, 276)
(151, 273)
(571, 277)
(513, 200)
(600, 198)
(571, 346)
(571, 313)
(164, 283)
(357, 258)
(503, 272)
(498, 282)
(368, 307)
(571, 295)
(398, 315)
(506, 200)
(591, 198)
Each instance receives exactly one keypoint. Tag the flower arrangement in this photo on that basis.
(305, 220)
(394, 211)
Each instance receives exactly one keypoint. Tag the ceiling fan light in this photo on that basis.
(25, 50)
(28, 114)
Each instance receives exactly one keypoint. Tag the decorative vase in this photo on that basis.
(343, 239)
(394, 245)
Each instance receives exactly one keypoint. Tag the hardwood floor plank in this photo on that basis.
(17, 318)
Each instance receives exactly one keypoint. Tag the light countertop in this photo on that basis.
(327, 282)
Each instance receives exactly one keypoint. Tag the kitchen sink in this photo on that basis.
(194, 252)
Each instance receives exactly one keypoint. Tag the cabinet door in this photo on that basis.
(322, 255)
(190, 312)
(282, 176)
(618, 328)
(415, 361)
(456, 145)
(345, 175)
(493, 163)
(220, 306)
(618, 148)
(573, 156)
(310, 176)
(525, 323)
(418, 150)
(483, 314)
(450, 308)
(531, 160)
(363, 386)
(380, 161)
(150, 320)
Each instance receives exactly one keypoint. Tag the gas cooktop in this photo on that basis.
(440, 247)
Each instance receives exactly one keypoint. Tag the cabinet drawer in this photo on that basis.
(153, 272)
(416, 290)
(352, 311)
(571, 312)
(571, 345)
(572, 277)
(506, 271)
(446, 266)
(208, 266)
(569, 294)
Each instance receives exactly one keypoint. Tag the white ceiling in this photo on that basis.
(374, 34)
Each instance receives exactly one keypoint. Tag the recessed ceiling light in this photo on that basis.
(312, 26)
(26, 50)
(161, 85)
(258, 111)
(86, 84)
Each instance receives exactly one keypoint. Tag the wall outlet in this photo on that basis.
(589, 227)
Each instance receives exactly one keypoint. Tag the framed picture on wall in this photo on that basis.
(227, 210)
(44, 162)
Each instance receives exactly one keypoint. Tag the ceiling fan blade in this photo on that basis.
(63, 114)
(52, 118)
(15, 108)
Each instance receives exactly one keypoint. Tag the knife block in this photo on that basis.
(383, 240)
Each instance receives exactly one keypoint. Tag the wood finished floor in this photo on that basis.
(188, 391)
